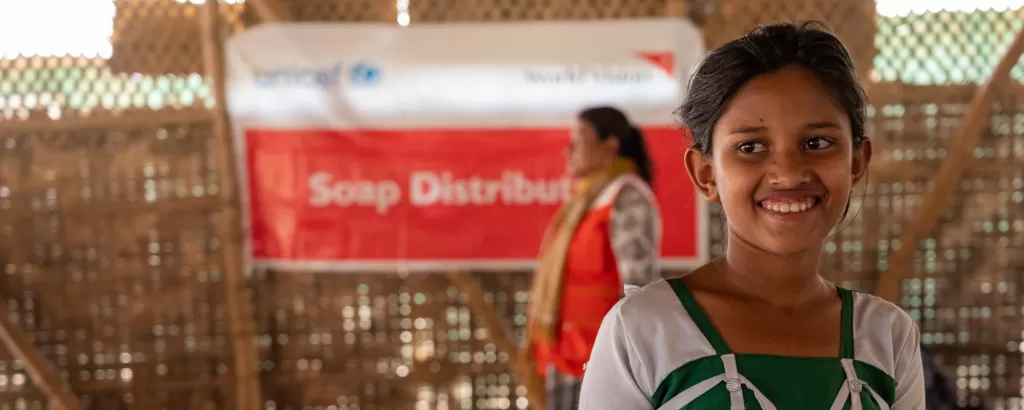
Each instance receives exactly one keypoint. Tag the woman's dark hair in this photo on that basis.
(764, 50)
(610, 121)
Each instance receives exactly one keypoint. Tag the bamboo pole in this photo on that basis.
(950, 174)
(246, 387)
(499, 334)
(43, 377)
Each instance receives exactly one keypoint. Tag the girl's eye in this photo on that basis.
(815, 143)
(751, 147)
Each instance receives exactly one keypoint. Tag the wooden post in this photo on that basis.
(950, 174)
(498, 333)
(270, 11)
(246, 387)
(387, 11)
(43, 377)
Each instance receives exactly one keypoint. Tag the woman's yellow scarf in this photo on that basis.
(546, 295)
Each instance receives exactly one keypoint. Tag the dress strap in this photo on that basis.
(701, 319)
(733, 382)
(846, 332)
(851, 391)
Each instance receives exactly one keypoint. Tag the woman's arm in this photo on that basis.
(610, 381)
(633, 232)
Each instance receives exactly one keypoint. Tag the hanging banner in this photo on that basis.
(378, 147)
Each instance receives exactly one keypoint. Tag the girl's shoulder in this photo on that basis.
(884, 333)
(869, 307)
(657, 302)
(657, 331)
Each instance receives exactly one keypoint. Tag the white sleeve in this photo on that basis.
(611, 378)
(910, 394)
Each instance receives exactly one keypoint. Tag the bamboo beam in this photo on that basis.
(246, 387)
(959, 156)
(43, 377)
(901, 93)
(132, 119)
(499, 334)
(676, 8)
(270, 11)
(22, 210)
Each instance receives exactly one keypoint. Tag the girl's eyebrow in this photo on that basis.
(822, 124)
(749, 129)
(754, 129)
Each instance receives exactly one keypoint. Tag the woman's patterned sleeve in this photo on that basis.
(634, 237)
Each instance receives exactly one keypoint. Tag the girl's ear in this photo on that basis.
(702, 174)
(861, 160)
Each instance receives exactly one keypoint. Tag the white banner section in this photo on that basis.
(527, 74)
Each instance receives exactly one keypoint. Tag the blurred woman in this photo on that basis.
(602, 241)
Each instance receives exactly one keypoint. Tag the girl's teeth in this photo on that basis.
(790, 207)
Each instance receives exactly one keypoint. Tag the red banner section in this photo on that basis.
(392, 197)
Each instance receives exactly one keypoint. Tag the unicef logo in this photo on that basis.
(364, 74)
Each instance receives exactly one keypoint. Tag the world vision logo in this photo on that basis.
(662, 59)
(605, 74)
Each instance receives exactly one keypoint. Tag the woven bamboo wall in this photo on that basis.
(112, 263)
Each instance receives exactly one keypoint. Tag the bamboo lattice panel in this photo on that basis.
(111, 261)
(966, 286)
(384, 341)
(112, 264)
(851, 20)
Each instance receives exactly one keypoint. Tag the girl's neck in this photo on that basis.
(779, 280)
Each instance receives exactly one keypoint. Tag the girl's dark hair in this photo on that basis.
(610, 121)
(764, 50)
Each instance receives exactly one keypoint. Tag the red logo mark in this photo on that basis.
(663, 59)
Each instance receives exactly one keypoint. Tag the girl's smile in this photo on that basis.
(791, 204)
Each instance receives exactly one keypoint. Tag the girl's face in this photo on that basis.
(783, 163)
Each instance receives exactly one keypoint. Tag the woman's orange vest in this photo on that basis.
(591, 287)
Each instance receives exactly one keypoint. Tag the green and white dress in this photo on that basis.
(658, 350)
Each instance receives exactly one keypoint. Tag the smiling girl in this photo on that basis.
(777, 124)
